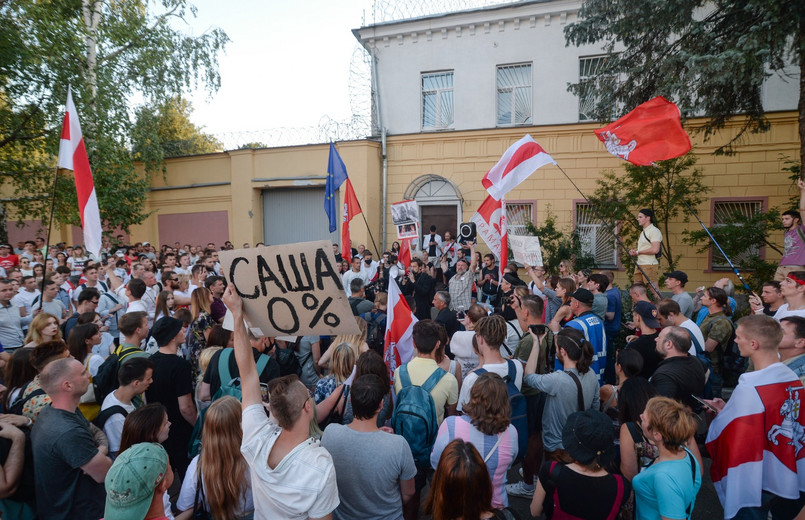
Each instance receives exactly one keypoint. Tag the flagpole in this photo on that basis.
(715, 242)
(47, 235)
(614, 233)
(378, 252)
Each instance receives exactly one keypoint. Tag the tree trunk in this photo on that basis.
(801, 106)
(92, 16)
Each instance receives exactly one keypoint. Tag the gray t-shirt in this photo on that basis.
(600, 306)
(62, 443)
(368, 467)
(562, 401)
(685, 303)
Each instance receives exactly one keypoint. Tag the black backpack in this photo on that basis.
(376, 330)
(17, 406)
(104, 416)
(106, 381)
(732, 363)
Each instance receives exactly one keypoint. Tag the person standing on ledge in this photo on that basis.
(648, 245)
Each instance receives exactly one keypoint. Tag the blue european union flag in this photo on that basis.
(336, 175)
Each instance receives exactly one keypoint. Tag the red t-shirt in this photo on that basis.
(7, 262)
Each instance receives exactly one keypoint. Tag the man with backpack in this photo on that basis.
(719, 332)
(490, 332)
(223, 369)
(376, 320)
(134, 376)
(87, 302)
(357, 301)
(425, 393)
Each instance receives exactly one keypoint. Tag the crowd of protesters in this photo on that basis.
(133, 389)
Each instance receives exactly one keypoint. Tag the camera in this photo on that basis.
(539, 330)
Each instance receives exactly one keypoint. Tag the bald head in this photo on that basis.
(60, 376)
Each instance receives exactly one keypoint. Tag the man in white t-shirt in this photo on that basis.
(793, 290)
(649, 243)
(135, 376)
(292, 475)
(26, 293)
(490, 333)
(669, 313)
(354, 272)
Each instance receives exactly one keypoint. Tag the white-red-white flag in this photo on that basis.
(399, 329)
(503, 256)
(487, 223)
(756, 441)
(73, 156)
(518, 162)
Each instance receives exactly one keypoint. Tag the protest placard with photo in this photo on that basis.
(290, 289)
(404, 212)
(410, 230)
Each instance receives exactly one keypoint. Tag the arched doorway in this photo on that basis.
(440, 203)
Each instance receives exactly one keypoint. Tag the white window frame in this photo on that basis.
(521, 91)
(721, 209)
(444, 118)
(587, 66)
(593, 231)
(518, 214)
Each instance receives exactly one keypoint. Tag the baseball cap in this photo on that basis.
(678, 275)
(132, 480)
(648, 313)
(583, 296)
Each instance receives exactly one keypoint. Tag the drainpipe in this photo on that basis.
(384, 178)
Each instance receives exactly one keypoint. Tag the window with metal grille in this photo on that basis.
(589, 68)
(724, 212)
(597, 240)
(514, 94)
(437, 100)
(518, 215)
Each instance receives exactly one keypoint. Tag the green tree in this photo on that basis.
(175, 134)
(254, 146)
(111, 52)
(662, 188)
(558, 245)
(710, 56)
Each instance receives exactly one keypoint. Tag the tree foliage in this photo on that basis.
(111, 53)
(663, 188)
(175, 134)
(558, 245)
(710, 56)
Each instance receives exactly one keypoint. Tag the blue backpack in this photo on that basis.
(519, 417)
(415, 415)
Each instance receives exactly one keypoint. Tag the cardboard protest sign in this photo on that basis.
(526, 249)
(290, 290)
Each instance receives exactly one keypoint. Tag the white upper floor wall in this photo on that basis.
(455, 58)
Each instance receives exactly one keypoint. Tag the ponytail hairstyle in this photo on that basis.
(720, 296)
(576, 347)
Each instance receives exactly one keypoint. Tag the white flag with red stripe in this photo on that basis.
(518, 162)
(756, 441)
(490, 222)
(73, 156)
(399, 329)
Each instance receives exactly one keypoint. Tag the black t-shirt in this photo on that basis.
(594, 503)
(489, 287)
(679, 377)
(647, 346)
(172, 379)
(213, 378)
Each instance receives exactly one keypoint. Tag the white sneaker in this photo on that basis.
(520, 489)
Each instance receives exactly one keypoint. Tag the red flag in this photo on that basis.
(399, 328)
(73, 156)
(649, 133)
(405, 252)
(351, 208)
(518, 162)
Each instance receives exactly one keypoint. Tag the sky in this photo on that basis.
(287, 65)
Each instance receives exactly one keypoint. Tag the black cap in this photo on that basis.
(165, 329)
(588, 437)
(678, 275)
(648, 313)
(583, 296)
(513, 279)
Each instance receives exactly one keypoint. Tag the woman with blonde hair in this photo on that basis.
(225, 490)
(344, 359)
(668, 487)
(486, 426)
(565, 268)
(44, 327)
(356, 341)
(201, 326)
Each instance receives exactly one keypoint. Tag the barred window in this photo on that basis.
(589, 68)
(437, 100)
(724, 212)
(597, 240)
(514, 94)
(518, 216)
